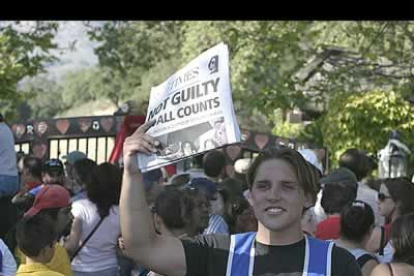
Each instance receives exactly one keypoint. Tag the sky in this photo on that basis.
(82, 56)
(69, 31)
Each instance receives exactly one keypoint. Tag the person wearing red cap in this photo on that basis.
(53, 201)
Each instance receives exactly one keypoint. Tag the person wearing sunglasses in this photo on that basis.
(402, 240)
(394, 199)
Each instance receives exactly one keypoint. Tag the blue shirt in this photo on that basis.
(216, 225)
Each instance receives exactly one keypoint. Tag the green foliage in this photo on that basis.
(134, 56)
(366, 121)
(312, 133)
(265, 59)
(283, 128)
(153, 77)
(264, 56)
(78, 86)
(137, 45)
(288, 130)
(43, 99)
(23, 53)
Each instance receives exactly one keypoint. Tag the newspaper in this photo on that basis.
(193, 110)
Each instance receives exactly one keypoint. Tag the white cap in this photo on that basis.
(241, 166)
(311, 157)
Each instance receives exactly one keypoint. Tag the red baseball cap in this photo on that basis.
(49, 197)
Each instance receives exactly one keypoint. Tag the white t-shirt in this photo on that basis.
(8, 262)
(368, 195)
(318, 209)
(99, 252)
(388, 254)
(8, 163)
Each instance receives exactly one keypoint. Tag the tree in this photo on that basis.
(275, 65)
(46, 99)
(131, 52)
(366, 121)
(264, 57)
(136, 45)
(24, 51)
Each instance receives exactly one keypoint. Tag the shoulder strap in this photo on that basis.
(318, 257)
(241, 254)
(381, 249)
(390, 267)
(363, 259)
(86, 239)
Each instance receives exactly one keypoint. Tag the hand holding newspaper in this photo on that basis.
(193, 110)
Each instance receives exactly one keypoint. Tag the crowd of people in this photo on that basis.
(279, 215)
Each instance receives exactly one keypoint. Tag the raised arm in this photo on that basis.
(164, 255)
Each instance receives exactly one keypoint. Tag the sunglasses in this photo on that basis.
(382, 197)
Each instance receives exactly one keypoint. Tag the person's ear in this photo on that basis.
(47, 252)
(308, 201)
(249, 198)
(158, 223)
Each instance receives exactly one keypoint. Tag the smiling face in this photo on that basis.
(277, 198)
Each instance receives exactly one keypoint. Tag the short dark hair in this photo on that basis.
(169, 205)
(232, 185)
(82, 170)
(402, 193)
(335, 196)
(402, 239)
(214, 162)
(357, 161)
(307, 177)
(235, 207)
(357, 220)
(180, 179)
(35, 233)
(34, 166)
(104, 188)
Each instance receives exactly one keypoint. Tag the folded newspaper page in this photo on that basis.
(193, 110)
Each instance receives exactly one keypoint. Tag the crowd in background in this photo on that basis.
(63, 216)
